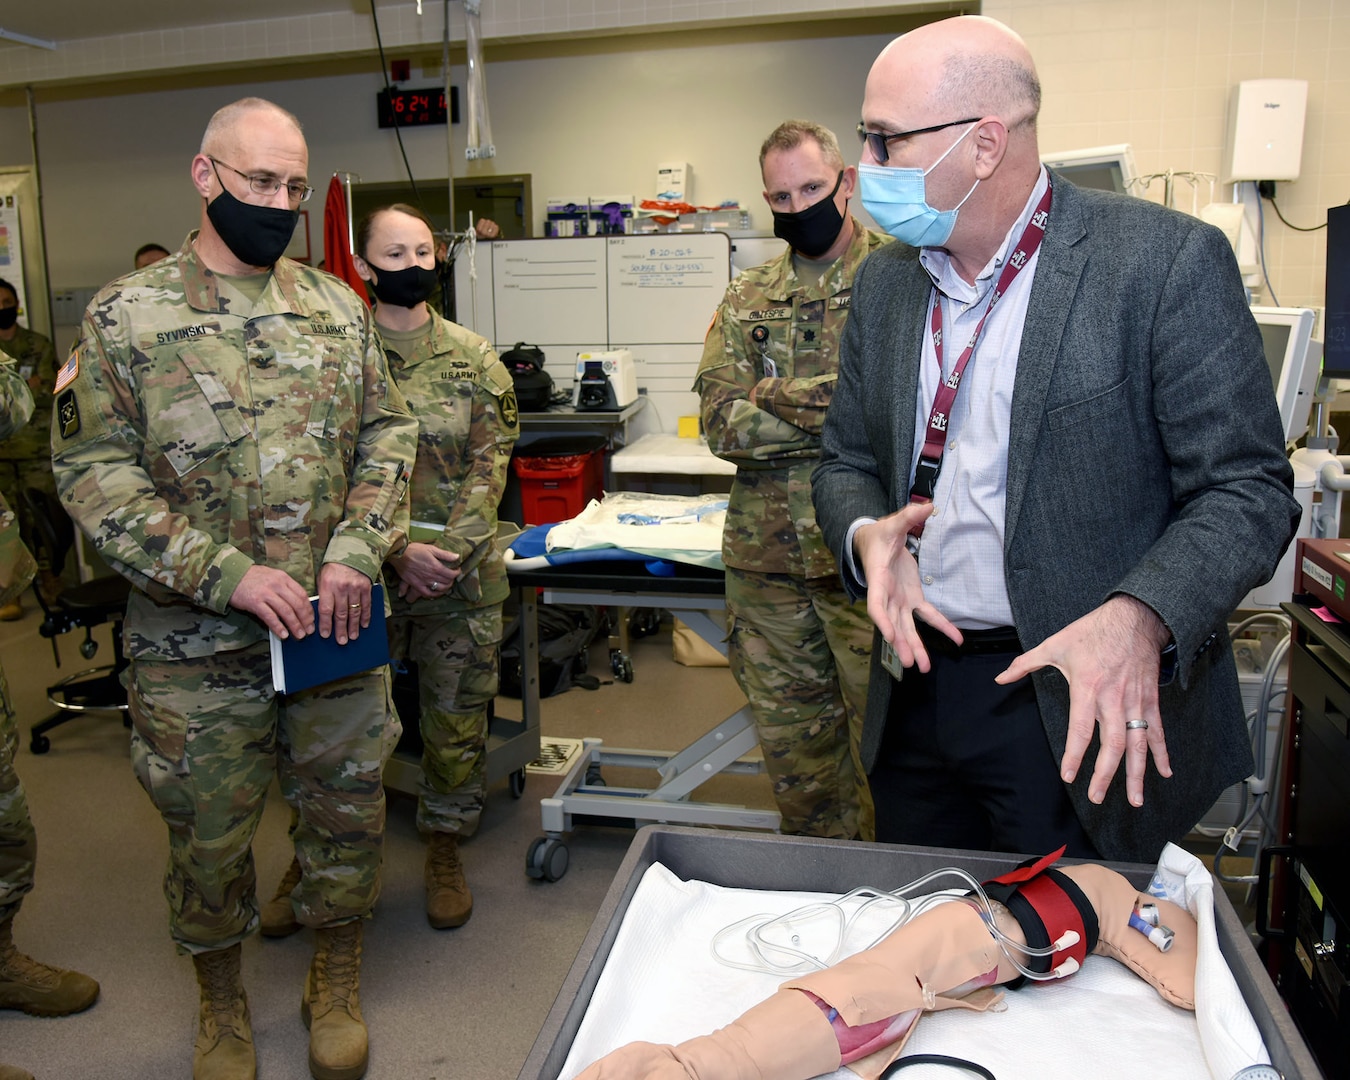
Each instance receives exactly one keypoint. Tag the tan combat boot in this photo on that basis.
(13, 1072)
(224, 1049)
(338, 1042)
(277, 917)
(449, 902)
(39, 989)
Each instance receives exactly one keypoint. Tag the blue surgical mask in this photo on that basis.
(897, 199)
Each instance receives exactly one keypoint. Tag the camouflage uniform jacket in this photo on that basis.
(36, 360)
(16, 562)
(779, 336)
(465, 404)
(191, 443)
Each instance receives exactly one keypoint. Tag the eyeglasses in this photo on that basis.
(876, 141)
(268, 185)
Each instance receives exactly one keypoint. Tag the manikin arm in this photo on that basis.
(862, 1011)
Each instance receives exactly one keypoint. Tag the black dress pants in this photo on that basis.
(965, 763)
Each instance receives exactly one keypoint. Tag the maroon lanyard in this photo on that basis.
(935, 437)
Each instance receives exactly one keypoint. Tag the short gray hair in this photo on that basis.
(990, 85)
(226, 117)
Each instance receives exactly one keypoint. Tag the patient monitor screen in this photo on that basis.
(1276, 339)
(1100, 176)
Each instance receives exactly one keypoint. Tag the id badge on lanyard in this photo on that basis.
(890, 660)
(760, 336)
(929, 465)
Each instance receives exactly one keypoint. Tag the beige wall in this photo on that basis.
(1157, 74)
(598, 116)
(115, 166)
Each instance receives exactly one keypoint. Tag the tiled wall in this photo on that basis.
(1158, 74)
(348, 32)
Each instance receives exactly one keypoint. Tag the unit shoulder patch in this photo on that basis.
(67, 415)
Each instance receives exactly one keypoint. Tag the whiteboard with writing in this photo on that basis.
(654, 295)
(603, 291)
(663, 289)
(549, 291)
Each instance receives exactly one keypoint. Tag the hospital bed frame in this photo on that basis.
(583, 793)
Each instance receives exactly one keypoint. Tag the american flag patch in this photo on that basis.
(69, 370)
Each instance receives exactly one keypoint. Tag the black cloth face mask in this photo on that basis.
(404, 288)
(258, 235)
(8, 317)
(813, 230)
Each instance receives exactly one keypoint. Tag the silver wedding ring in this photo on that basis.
(435, 584)
(1136, 725)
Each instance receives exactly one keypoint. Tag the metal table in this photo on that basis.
(691, 593)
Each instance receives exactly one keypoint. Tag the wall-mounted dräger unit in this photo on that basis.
(1265, 130)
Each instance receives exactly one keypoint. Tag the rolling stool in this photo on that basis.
(87, 605)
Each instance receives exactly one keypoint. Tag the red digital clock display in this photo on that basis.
(416, 108)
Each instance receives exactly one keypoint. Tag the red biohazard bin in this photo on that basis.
(557, 487)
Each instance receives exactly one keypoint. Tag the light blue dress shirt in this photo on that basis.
(961, 557)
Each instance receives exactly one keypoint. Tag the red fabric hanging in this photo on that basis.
(337, 259)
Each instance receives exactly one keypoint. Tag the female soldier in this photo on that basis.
(451, 580)
(447, 616)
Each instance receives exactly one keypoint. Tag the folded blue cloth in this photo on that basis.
(531, 544)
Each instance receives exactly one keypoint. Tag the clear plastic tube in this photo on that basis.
(479, 137)
(773, 955)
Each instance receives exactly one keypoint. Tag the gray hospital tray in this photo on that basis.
(748, 860)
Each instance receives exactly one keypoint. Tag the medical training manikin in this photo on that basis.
(1039, 920)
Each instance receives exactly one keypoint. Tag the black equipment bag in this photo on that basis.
(534, 385)
(565, 633)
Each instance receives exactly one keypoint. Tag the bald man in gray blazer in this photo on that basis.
(1146, 486)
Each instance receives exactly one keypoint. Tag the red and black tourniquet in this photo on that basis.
(1046, 905)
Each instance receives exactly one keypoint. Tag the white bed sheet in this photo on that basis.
(682, 528)
(661, 984)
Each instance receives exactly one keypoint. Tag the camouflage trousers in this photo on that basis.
(800, 652)
(18, 841)
(208, 734)
(456, 657)
(17, 474)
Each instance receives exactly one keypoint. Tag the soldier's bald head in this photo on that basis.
(966, 66)
(228, 127)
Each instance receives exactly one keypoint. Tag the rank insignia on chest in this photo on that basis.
(68, 414)
(808, 335)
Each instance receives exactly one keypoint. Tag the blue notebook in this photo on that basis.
(300, 663)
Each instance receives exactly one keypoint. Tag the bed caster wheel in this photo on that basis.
(547, 859)
(517, 782)
(88, 648)
(622, 666)
(593, 777)
(39, 744)
(644, 623)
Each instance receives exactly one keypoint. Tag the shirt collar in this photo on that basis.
(201, 292)
(938, 263)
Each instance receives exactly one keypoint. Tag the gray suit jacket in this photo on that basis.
(1146, 457)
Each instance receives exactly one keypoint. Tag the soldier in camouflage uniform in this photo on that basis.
(26, 456)
(227, 433)
(447, 616)
(448, 611)
(798, 648)
(25, 984)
